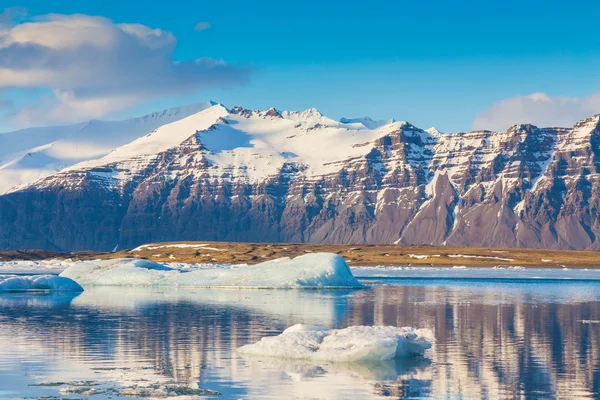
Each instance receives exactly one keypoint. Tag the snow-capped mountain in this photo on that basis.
(242, 175)
(30, 154)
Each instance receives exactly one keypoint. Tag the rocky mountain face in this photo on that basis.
(241, 175)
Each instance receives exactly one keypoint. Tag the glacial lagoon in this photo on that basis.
(494, 338)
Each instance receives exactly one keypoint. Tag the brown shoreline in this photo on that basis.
(391, 255)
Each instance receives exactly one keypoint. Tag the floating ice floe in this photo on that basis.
(38, 283)
(356, 343)
(317, 270)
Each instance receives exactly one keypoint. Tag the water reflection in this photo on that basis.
(494, 340)
(301, 379)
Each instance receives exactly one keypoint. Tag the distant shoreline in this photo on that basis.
(355, 255)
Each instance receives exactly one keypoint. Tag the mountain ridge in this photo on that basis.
(242, 175)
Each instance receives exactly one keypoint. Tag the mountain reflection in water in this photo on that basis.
(493, 340)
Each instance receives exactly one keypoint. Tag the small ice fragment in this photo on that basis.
(85, 391)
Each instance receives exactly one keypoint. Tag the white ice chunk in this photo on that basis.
(42, 267)
(307, 271)
(356, 343)
(37, 283)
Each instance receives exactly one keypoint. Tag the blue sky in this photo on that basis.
(455, 65)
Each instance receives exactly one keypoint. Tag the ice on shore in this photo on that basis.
(42, 267)
(38, 283)
(315, 270)
(356, 343)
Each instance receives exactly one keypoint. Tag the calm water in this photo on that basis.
(494, 340)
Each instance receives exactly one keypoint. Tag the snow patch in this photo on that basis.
(423, 257)
(434, 131)
(176, 246)
(484, 257)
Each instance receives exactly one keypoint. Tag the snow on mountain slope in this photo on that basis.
(367, 122)
(253, 145)
(30, 154)
(162, 138)
(271, 139)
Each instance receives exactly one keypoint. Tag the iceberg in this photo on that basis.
(353, 344)
(315, 270)
(38, 283)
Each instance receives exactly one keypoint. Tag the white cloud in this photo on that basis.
(202, 26)
(538, 109)
(95, 67)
